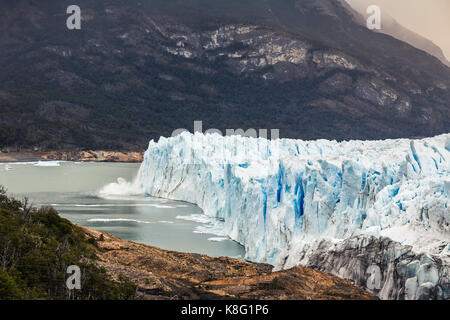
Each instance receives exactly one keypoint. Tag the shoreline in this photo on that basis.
(76, 156)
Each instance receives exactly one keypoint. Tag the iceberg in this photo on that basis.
(293, 202)
(47, 164)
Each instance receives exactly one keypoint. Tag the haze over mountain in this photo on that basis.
(391, 26)
(141, 69)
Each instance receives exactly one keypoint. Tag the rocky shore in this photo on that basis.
(161, 274)
(81, 156)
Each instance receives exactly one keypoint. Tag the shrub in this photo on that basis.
(37, 246)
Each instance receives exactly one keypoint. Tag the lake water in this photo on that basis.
(80, 193)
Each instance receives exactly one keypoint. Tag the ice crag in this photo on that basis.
(375, 212)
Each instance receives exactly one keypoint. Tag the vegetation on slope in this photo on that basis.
(114, 84)
(37, 246)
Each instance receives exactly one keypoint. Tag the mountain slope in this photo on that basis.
(396, 30)
(391, 27)
(141, 69)
(162, 275)
(38, 246)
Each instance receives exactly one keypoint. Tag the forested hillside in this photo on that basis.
(141, 69)
(37, 246)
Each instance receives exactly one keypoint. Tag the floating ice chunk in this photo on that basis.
(119, 220)
(217, 239)
(47, 164)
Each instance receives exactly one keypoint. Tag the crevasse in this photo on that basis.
(275, 196)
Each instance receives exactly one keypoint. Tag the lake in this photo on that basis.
(90, 194)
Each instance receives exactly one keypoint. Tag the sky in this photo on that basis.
(429, 18)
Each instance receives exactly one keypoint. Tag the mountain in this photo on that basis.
(140, 69)
(396, 30)
(391, 27)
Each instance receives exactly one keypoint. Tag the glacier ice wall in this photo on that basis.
(283, 199)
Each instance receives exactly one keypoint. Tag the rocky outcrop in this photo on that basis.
(385, 267)
(81, 156)
(95, 156)
(250, 48)
(162, 274)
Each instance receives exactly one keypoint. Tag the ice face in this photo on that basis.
(276, 196)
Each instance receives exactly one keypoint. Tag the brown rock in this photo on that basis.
(95, 156)
(162, 274)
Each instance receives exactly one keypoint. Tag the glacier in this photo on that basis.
(341, 207)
